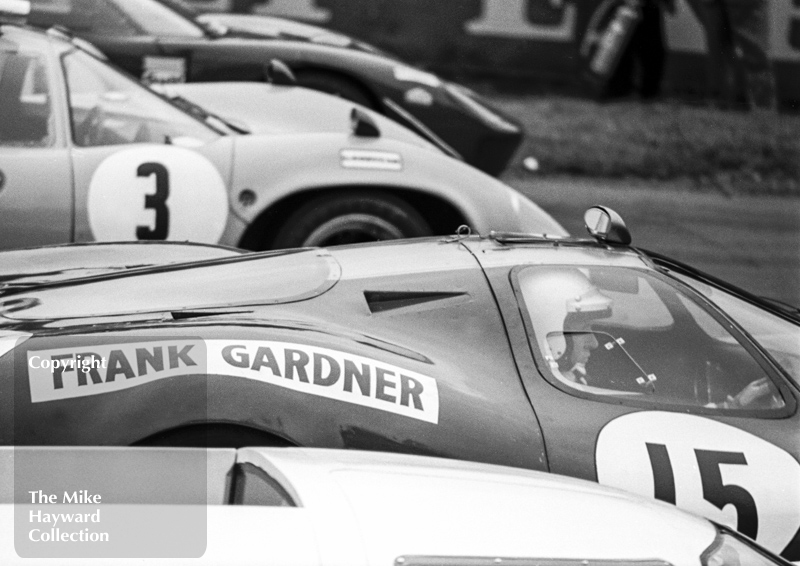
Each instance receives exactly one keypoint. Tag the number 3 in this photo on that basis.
(714, 491)
(156, 201)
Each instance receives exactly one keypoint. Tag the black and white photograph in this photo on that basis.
(399, 282)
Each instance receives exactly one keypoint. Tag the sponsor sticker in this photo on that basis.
(366, 159)
(164, 70)
(329, 373)
(77, 372)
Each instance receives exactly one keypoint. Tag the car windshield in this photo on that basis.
(625, 333)
(123, 18)
(107, 108)
(157, 19)
(780, 337)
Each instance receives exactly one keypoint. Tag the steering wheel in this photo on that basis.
(758, 394)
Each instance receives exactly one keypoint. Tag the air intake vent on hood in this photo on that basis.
(380, 301)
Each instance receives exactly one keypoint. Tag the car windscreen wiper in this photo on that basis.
(213, 120)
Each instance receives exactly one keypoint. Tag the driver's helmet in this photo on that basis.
(561, 300)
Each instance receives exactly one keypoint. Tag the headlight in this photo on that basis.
(731, 549)
(469, 99)
(10, 339)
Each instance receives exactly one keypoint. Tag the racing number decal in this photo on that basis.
(707, 467)
(157, 201)
(663, 476)
(159, 192)
(714, 490)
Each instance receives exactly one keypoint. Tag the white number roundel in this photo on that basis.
(707, 467)
(157, 193)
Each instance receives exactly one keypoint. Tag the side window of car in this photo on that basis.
(253, 486)
(82, 16)
(779, 336)
(26, 115)
(619, 333)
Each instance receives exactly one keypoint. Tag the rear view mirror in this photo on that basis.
(606, 225)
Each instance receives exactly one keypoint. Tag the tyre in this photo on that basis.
(336, 85)
(350, 218)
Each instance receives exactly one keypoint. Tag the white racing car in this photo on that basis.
(317, 507)
(88, 154)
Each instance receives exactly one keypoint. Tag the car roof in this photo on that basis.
(495, 252)
(31, 36)
(437, 254)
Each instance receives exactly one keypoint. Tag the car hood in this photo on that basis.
(271, 109)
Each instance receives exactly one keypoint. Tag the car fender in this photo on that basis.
(274, 168)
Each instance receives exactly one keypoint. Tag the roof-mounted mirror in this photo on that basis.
(606, 226)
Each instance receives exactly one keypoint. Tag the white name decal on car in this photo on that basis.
(365, 159)
(329, 373)
(66, 374)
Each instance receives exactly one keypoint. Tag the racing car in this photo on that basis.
(87, 153)
(323, 507)
(160, 41)
(583, 357)
(261, 108)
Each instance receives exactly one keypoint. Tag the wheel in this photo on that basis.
(336, 85)
(350, 218)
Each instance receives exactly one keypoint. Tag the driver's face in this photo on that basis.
(583, 343)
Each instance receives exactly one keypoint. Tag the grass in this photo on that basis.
(735, 152)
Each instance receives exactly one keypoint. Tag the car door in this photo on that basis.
(143, 169)
(35, 177)
(642, 384)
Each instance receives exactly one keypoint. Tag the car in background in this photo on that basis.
(261, 108)
(279, 28)
(89, 154)
(318, 507)
(588, 358)
(159, 42)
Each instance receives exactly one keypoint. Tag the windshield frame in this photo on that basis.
(753, 349)
(131, 79)
(666, 266)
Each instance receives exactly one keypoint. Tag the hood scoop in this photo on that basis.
(383, 301)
